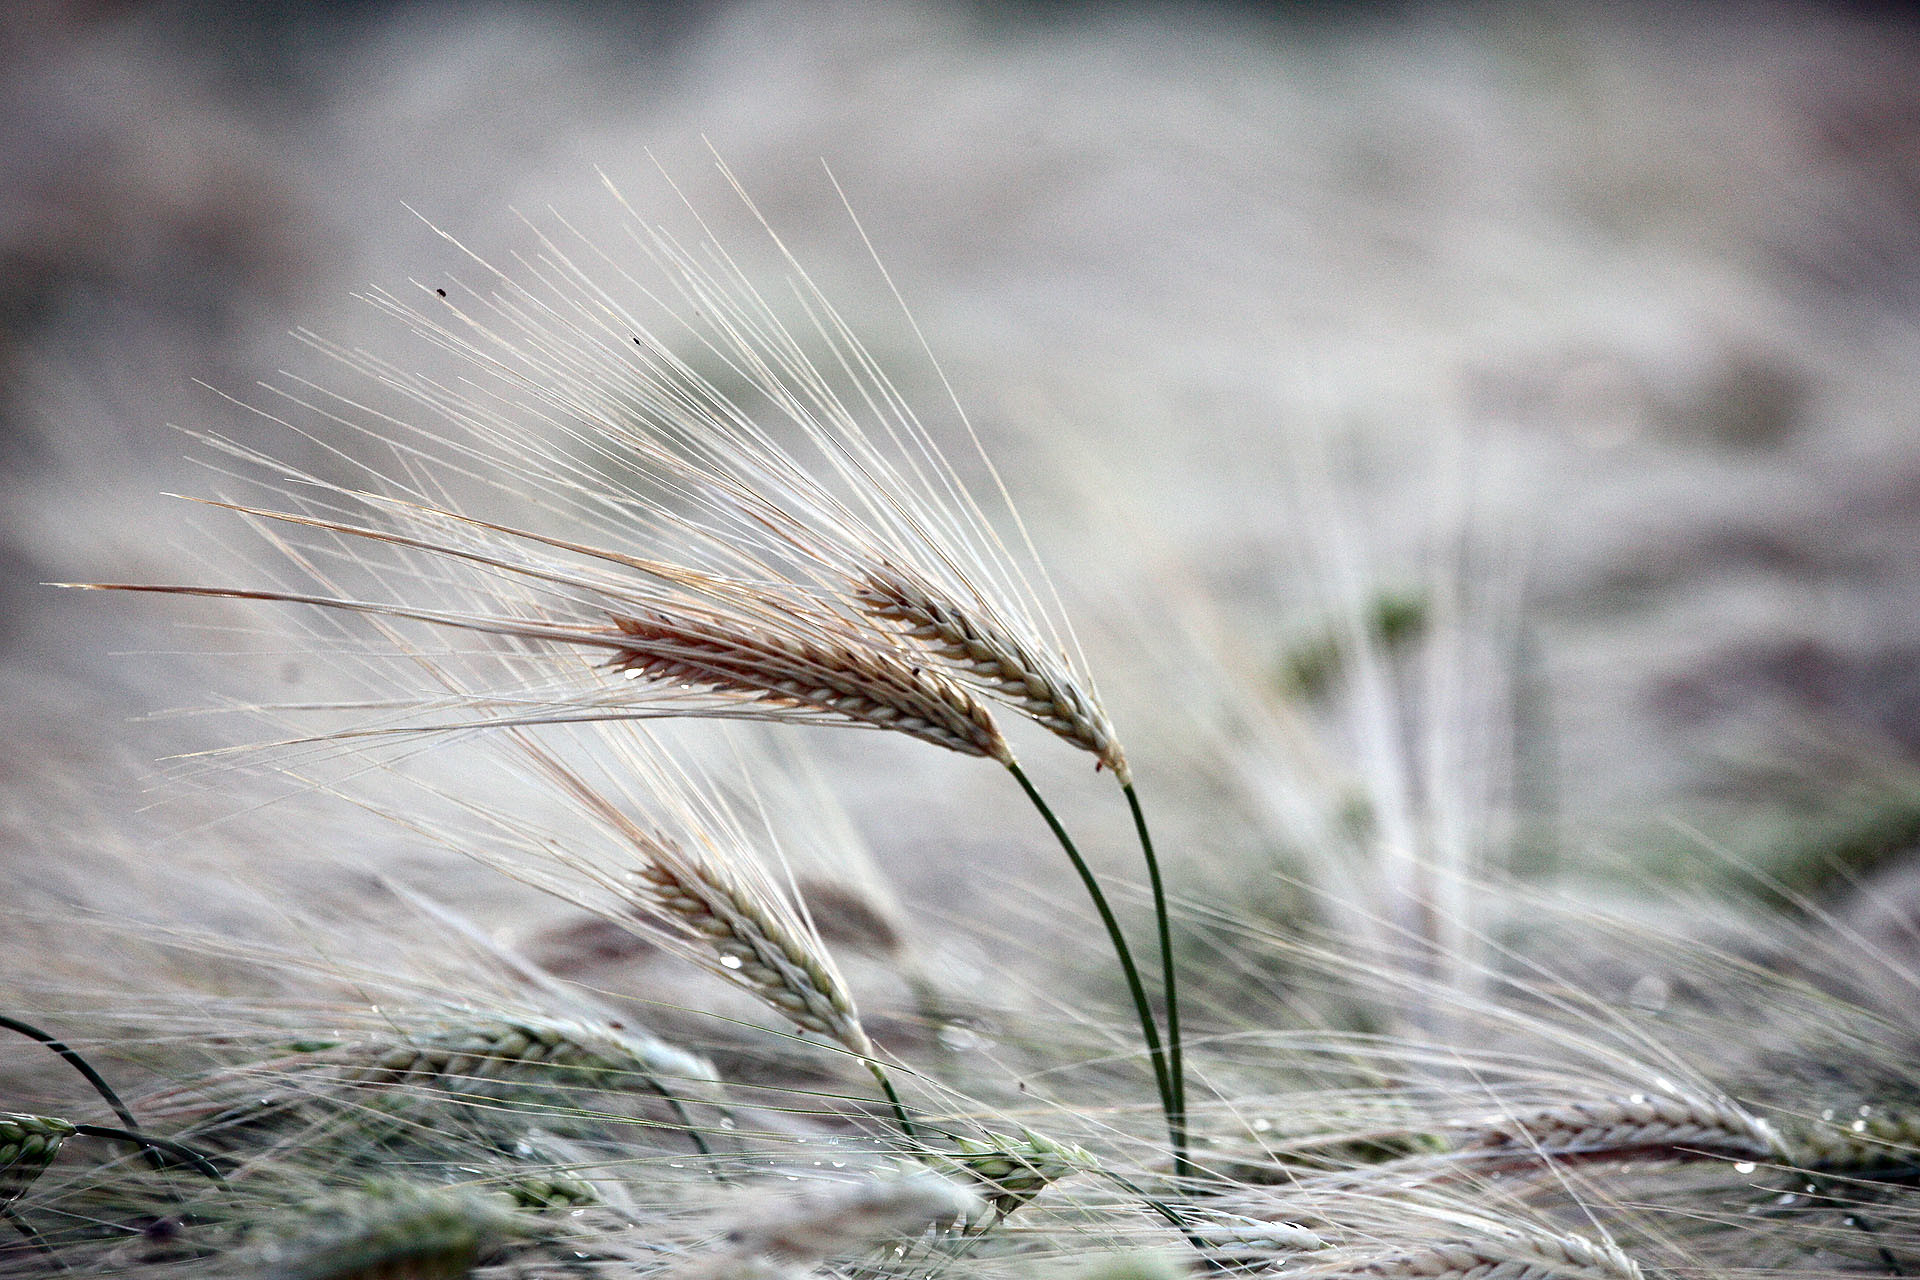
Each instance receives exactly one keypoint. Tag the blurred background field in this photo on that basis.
(1564, 357)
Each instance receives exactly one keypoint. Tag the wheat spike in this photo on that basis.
(990, 656)
(1639, 1125)
(1529, 1256)
(756, 945)
(1236, 1242)
(1010, 1173)
(736, 924)
(506, 1049)
(391, 1229)
(831, 1220)
(861, 683)
(1875, 1140)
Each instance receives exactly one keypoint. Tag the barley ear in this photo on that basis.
(391, 1228)
(755, 944)
(1876, 1140)
(1011, 1172)
(862, 683)
(1518, 1256)
(28, 1144)
(991, 658)
(1637, 1126)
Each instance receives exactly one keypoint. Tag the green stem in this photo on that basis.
(893, 1100)
(94, 1078)
(687, 1125)
(156, 1147)
(1160, 1207)
(1176, 1065)
(78, 1063)
(1149, 1031)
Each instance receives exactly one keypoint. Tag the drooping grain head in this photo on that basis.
(984, 653)
(1638, 1126)
(28, 1144)
(1529, 1256)
(756, 945)
(834, 1219)
(1011, 1172)
(389, 1229)
(861, 683)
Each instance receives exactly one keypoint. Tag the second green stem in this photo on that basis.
(1149, 1029)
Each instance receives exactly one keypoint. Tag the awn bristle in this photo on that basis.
(860, 683)
(1636, 1126)
(990, 657)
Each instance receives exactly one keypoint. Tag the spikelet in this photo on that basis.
(28, 1144)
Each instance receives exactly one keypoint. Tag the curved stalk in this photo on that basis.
(1149, 1030)
(1176, 1066)
(78, 1063)
(158, 1148)
(100, 1086)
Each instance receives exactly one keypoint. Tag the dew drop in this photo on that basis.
(731, 962)
(961, 1039)
(1650, 993)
